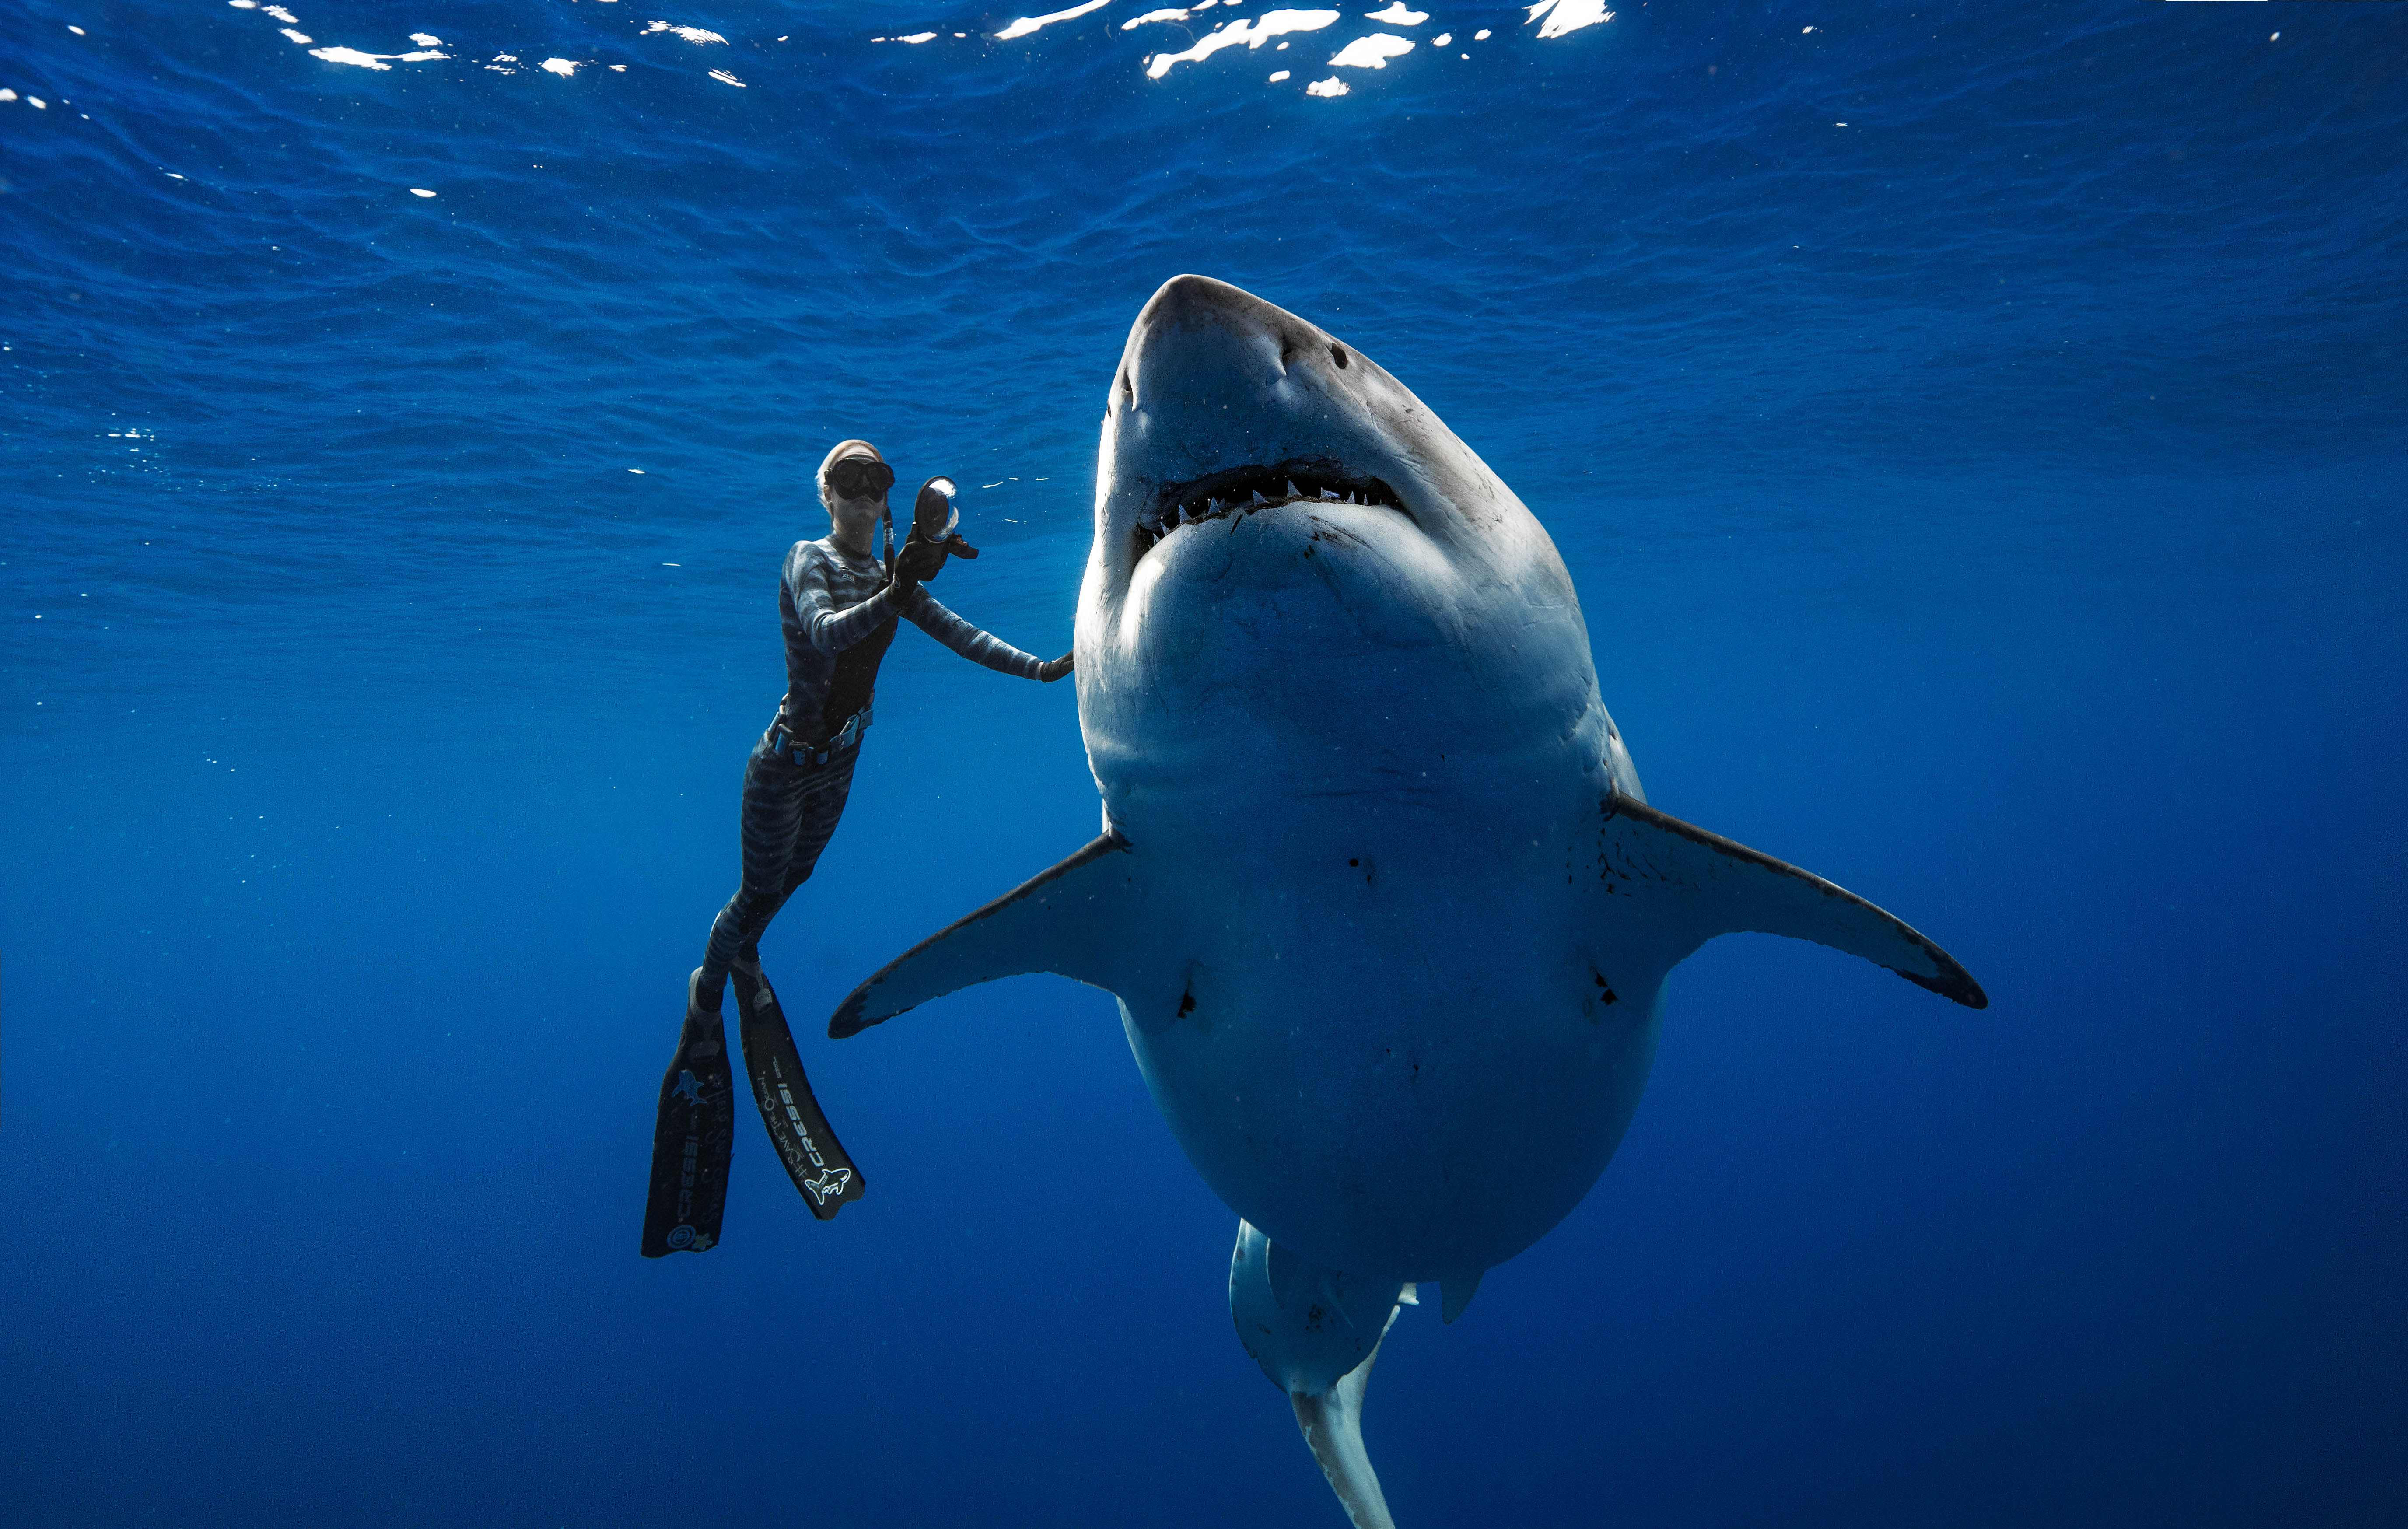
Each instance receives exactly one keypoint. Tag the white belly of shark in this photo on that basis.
(1380, 894)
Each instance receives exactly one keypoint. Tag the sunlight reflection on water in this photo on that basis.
(1376, 51)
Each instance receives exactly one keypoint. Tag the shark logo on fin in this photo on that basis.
(828, 1184)
(688, 1088)
(1317, 634)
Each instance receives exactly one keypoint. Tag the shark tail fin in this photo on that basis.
(1062, 920)
(1315, 1332)
(1727, 888)
(1333, 1430)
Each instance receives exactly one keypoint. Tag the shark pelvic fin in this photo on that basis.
(1455, 1292)
(1333, 1431)
(1728, 888)
(1062, 920)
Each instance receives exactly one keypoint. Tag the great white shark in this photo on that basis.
(1383, 901)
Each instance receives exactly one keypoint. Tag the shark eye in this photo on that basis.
(1129, 390)
(1338, 354)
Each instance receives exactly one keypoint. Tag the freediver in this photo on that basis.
(838, 605)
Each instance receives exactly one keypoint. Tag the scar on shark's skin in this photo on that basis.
(1315, 630)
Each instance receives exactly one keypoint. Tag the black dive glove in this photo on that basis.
(935, 535)
(1053, 668)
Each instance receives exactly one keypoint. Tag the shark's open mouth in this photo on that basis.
(1238, 492)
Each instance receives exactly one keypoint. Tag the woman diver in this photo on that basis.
(838, 605)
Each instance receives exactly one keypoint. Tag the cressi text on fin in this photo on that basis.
(692, 1140)
(822, 1171)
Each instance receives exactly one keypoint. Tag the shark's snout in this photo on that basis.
(1193, 323)
(1226, 407)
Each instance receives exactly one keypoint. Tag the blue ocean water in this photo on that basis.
(1976, 434)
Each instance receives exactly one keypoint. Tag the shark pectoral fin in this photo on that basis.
(1065, 920)
(1728, 888)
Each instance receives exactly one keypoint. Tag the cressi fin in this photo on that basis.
(814, 1158)
(692, 1142)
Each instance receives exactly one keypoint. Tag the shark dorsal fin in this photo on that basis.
(1065, 920)
(1725, 888)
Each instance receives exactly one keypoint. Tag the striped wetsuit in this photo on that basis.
(838, 617)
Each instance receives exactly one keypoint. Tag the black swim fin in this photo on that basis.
(814, 1158)
(692, 1143)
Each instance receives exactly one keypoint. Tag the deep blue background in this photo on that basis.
(1995, 504)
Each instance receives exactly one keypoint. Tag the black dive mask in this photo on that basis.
(859, 477)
